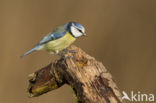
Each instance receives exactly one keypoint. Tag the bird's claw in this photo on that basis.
(66, 57)
(65, 51)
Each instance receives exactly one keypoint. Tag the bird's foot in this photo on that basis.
(66, 57)
(65, 51)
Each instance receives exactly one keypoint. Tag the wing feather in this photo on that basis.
(56, 34)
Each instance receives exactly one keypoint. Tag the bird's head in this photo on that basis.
(76, 29)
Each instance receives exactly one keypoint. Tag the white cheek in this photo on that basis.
(83, 30)
(75, 32)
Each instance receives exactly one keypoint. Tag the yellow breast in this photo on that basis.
(59, 44)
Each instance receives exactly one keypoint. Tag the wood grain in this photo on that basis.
(90, 80)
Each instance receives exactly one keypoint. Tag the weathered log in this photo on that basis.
(90, 80)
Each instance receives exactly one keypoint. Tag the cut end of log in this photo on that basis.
(42, 81)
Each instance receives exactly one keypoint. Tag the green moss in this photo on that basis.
(43, 89)
(75, 96)
(59, 80)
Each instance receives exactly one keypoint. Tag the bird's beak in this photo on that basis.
(84, 34)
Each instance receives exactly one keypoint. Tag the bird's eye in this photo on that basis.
(79, 30)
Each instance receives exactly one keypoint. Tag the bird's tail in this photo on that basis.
(30, 51)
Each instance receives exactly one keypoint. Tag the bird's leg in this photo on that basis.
(65, 51)
(66, 57)
(63, 57)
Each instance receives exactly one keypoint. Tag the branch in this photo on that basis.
(90, 80)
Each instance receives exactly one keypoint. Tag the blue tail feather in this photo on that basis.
(32, 50)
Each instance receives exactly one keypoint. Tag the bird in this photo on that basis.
(60, 38)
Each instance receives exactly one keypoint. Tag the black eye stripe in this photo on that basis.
(79, 30)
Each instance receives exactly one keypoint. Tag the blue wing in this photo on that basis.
(56, 34)
(51, 36)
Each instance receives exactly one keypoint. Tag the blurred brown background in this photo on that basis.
(121, 34)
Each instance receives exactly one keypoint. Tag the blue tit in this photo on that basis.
(60, 38)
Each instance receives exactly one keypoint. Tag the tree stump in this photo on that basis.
(90, 80)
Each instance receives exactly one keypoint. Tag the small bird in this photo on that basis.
(60, 38)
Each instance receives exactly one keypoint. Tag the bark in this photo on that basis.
(90, 80)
